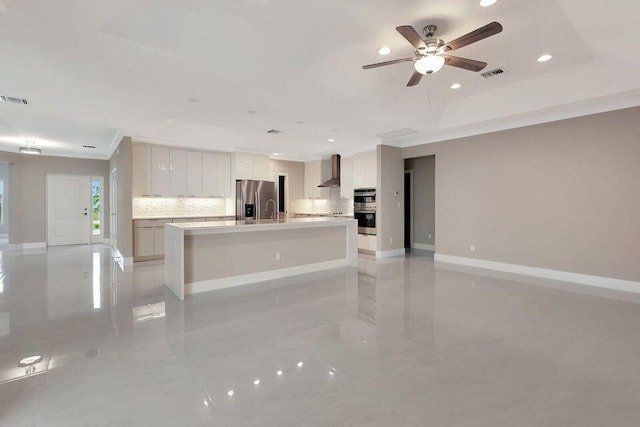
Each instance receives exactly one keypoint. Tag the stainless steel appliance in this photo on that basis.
(364, 210)
(255, 200)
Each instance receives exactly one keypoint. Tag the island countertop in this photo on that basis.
(191, 228)
(204, 256)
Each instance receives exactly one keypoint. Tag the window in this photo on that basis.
(95, 194)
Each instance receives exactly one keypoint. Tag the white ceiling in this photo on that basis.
(94, 70)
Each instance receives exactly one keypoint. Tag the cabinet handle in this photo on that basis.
(146, 195)
(180, 195)
(157, 195)
(190, 195)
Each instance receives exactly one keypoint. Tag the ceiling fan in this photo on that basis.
(432, 52)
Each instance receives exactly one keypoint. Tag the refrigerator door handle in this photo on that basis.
(257, 212)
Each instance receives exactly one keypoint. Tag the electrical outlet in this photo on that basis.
(277, 256)
(472, 248)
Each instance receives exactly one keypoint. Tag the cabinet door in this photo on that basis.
(209, 175)
(194, 174)
(346, 177)
(178, 173)
(158, 240)
(261, 167)
(223, 175)
(371, 169)
(243, 165)
(160, 171)
(216, 175)
(141, 171)
(144, 241)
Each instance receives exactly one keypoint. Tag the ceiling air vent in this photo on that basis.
(397, 133)
(13, 100)
(492, 73)
(274, 131)
(88, 146)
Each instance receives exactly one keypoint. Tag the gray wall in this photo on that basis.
(390, 213)
(27, 199)
(561, 195)
(4, 176)
(296, 176)
(122, 161)
(424, 212)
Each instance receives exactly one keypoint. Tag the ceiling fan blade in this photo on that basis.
(474, 36)
(412, 36)
(464, 63)
(382, 64)
(415, 79)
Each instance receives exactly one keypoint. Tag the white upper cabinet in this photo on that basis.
(141, 185)
(365, 169)
(194, 174)
(178, 173)
(216, 175)
(312, 178)
(251, 166)
(261, 168)
(160, 162)
(346, 177)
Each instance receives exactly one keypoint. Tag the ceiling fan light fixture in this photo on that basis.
(544, 58)
(429, 64)
(456, 86)
(487, 3)
(384, 50)
(29, 149)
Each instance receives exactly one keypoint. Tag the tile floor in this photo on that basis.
(398, 342)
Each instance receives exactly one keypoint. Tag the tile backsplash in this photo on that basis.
(165, 207)
(322, 206)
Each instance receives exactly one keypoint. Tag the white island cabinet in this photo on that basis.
(202, 257)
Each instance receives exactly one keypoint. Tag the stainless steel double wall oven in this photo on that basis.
(364, 209)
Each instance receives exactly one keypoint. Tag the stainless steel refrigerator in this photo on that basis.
(255, 200)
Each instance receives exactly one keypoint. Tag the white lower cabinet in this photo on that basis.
(148, 239)
(367, 242)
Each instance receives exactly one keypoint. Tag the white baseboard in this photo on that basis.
(423, 246)
(30, 245)
(565, 276)
(245, 279)
(389, 254)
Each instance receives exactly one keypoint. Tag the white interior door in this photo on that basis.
(113, 207)
(68, 209)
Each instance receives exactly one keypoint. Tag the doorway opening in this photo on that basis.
(283, 194)
(97, 198)
(408, 205)
(419, 185)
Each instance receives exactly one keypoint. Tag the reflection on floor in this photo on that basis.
(394, 342)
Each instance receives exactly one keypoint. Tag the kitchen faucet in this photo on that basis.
(266, 206)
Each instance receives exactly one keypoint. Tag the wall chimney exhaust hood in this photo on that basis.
(334, 182)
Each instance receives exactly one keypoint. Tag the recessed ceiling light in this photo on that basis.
(279, 372)
(545, 58)
(456, 86)
(275, 154)
(230, 393)
(300, 364)
(194, 100)
(331, 140)
(256, 382)
(384, 50)
(487, 3)
(251, 112)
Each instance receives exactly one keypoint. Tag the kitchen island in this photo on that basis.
(204, 256)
